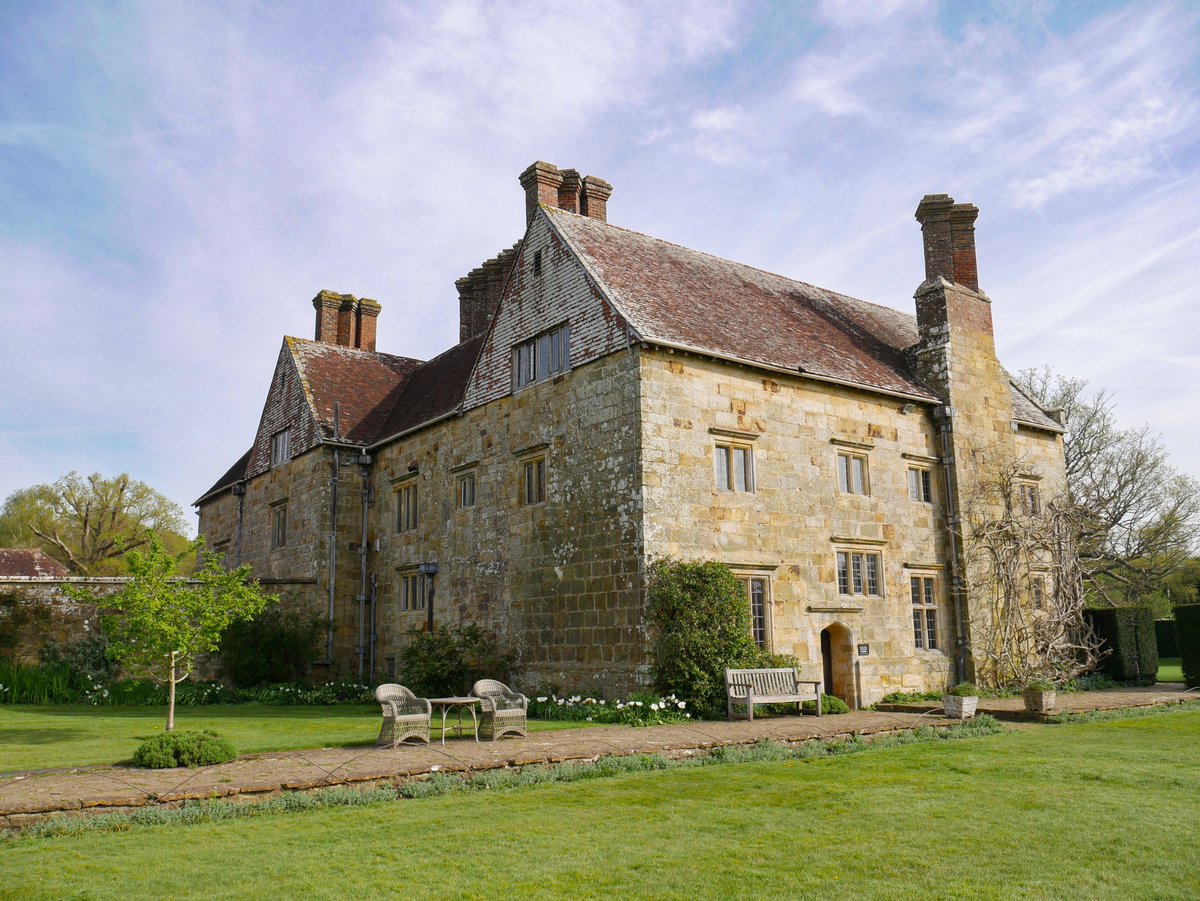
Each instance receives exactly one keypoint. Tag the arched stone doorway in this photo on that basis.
(837, 662)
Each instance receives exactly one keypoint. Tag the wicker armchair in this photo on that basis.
(404, 715)
(502, 710)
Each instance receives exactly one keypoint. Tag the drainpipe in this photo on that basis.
(333, 494)
(944, 414)
(374, 596)
(239, 489)
(364, 461)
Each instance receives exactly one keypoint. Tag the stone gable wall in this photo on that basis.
(285, 407)
(784, 529)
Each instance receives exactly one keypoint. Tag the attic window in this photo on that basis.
(537, 262)
(279, 447)
(542, 357)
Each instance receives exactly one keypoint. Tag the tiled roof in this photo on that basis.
(680, 296)
(30, 563)
(1027, 410)
(364, 385)
(433, 389)
(235, 473)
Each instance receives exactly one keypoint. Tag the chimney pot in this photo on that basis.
(541, 181)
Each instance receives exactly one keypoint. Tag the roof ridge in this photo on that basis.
(358, 350)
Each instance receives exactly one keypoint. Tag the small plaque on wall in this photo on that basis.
(864, 650)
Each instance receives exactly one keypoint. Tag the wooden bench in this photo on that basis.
(768, 686)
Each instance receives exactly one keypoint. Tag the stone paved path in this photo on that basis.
(26, 798)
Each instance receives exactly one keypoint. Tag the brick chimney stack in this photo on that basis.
(344, 320)
(541, 182)
(596, 192)
(368, 313)
(948, 230)
(568, 191)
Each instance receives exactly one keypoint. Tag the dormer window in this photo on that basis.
(542, 357)
(279, 447)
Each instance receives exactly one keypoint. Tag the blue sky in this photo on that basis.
(177, 180)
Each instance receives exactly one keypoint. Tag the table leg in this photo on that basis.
(474, 720)
(443, 724)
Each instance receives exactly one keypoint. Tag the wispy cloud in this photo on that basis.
(185, 177)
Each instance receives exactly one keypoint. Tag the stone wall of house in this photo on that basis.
(559, 580)
(35, 612)
(789, 528)
(298, 571)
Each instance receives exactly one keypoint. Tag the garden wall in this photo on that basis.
(35, 612)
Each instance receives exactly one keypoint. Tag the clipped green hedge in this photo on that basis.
(1128, 632)
(1187, 630)
(1164, 633)
(190, 749)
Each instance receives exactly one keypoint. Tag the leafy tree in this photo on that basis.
(88, 524)
(159, 622)
(1143, 514)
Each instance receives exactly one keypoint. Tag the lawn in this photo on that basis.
(1073, 811)
(1170, 669)
(35, 737)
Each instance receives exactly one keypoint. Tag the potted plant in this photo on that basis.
(959, 703)
(1039, 696)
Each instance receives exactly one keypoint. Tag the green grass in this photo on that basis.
(1069, 811)
(1170, 669)
(36, 737)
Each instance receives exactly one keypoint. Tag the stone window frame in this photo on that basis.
(1029, 497)
(415, 589)
(761, 621)
(920, 484)
(727, 444)
(532, 473)
(281, 447)
(220, 549)
(1039, 591)
(852, 452)
(848, 578)
(407, 504)
(465, 486)
(924, 592)
(544, 356)
(279, 524)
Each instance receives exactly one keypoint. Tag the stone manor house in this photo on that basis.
(615, 398)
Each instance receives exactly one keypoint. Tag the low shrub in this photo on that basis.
(86, 660)
(449, 660)
(190, 749)
(1090, 682)
(964, 690)
(309, 695)
(829, 704)
(1039, 685)
(1187, 630)
(1128, 633)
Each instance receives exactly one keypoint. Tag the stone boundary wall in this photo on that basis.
(35, 612)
